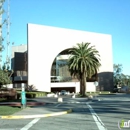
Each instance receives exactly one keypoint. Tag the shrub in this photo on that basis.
(32, 94)
(29, 95)
(4, 78)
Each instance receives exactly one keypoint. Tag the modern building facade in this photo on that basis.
(19, 65)
(47, 54)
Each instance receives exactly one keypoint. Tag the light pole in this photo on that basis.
(96, 84)
(23, 94)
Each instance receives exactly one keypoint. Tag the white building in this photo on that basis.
(46, 42)
(19, 64)
(19, 48)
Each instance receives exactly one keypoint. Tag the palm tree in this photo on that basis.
(83, 62)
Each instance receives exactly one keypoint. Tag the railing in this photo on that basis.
(21, 73)
(60, 79)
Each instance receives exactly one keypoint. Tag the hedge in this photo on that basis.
(32, 94)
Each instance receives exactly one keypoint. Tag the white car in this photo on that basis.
(63, 92)
(68, 92)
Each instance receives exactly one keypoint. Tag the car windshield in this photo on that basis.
(63, 90)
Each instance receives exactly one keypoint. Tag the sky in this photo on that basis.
(101, 16)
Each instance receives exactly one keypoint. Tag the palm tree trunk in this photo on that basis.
(80, 86)
(80, 81)
(84, 84)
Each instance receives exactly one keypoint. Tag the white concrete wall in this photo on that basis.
(90, 87)
(45, 42)
(64, 84)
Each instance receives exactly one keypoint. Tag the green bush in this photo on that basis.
(32, 94)
(29, 95)
(4, 78)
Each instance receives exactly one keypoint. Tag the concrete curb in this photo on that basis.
(36, 116)
(98, 99)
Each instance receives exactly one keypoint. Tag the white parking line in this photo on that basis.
(7, 129)
(26, 127)
(57, 105)
(96, 118)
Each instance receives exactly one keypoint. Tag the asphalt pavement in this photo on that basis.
(104, 114)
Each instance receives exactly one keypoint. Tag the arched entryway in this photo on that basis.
(60, 74)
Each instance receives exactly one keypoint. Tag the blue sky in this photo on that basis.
(101, 16)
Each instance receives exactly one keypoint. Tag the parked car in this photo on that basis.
(124, 89)
(63, 92)
(116, 90)
(68, 92)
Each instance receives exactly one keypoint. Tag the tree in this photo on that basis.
(128, 80)
(4, 78)
(120, 79)
(4, 67)
(117, 74)
(125, 80)
(5, 75)
(1, 25)
(83, 62)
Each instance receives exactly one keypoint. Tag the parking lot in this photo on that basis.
(105, 114)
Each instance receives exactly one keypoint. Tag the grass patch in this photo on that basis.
(97, 93)
(107, 94)
(8, 110)
(100, 92)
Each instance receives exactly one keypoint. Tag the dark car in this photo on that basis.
(116, 90)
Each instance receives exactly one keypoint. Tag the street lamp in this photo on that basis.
(23, 94)
(96, 84)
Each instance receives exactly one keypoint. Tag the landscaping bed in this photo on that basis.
(14, 100)
(32, 94)
(10, 106)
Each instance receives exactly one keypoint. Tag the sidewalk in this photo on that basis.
(38, 112)
(42, 108)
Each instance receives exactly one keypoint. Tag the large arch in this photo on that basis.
(59, 70)
(60, 74)
(54, 40)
